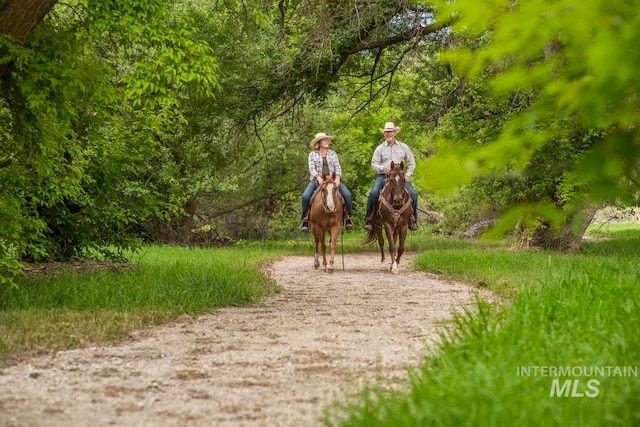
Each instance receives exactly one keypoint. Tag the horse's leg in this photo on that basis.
(391, 239)
(335, 231)
(380, 242)
(393, 249)
(316, 241)
(324, 250)
(403, 236)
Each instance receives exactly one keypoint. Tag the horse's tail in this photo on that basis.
(371, 237)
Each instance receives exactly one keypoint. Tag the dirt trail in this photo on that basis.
(277, 363)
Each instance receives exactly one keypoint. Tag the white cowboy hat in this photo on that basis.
(319, 137)
(389, 126)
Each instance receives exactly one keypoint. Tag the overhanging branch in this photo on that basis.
(410, 34)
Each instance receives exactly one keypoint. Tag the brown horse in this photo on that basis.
(325, 215)
(393, 213)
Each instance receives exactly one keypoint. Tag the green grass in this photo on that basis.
(68, 310)
(561, 310)
(507, 271)
(621, 230)
(579, 310)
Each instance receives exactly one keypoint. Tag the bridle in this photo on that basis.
(395, 212)
(329, 196)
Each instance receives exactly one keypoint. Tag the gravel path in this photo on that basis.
(277, 363)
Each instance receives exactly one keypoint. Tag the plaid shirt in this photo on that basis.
(385, 153)
(315, 164)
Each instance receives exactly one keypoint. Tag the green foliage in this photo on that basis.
(152, 149)
(115, 134)
(514, 118)
(356, 141)
(89, 106)
(578, 57)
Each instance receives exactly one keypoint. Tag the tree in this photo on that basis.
(297, 53)
(579, 60)
(86, 116)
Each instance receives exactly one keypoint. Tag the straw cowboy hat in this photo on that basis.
(390, 126)
(319, 137)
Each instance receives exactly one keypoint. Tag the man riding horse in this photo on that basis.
(394, 214)
(389, 151)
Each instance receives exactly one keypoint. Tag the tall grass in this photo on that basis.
(578, 311)
(67, 310)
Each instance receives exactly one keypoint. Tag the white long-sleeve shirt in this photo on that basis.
(384, 154)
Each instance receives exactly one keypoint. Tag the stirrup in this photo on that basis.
(304, 227)
(368, 224)
(348, 224)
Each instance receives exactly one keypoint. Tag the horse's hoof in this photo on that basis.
(329, 270)
(394, 268)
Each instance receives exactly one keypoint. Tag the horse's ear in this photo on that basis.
(333, 175)
(402, 165)
(393, 165)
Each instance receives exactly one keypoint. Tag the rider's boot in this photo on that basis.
(368, 225)
(348, 225)
(304, 226)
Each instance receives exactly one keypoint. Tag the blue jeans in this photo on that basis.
(375, 191)
(308, 192)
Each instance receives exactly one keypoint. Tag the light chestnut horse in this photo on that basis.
(393, 213)
(325, 215)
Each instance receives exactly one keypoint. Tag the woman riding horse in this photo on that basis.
(324, 162)
(325, 216)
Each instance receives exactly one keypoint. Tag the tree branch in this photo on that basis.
(384, 43)
(252, 202)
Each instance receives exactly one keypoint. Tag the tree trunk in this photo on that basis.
(569, 237)
(18, 18)
(187, 221)
(476, 229)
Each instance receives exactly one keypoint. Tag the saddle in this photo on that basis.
(316, 192)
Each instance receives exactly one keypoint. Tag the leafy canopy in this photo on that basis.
(580, 57)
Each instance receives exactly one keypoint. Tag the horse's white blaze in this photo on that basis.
(331, 204)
